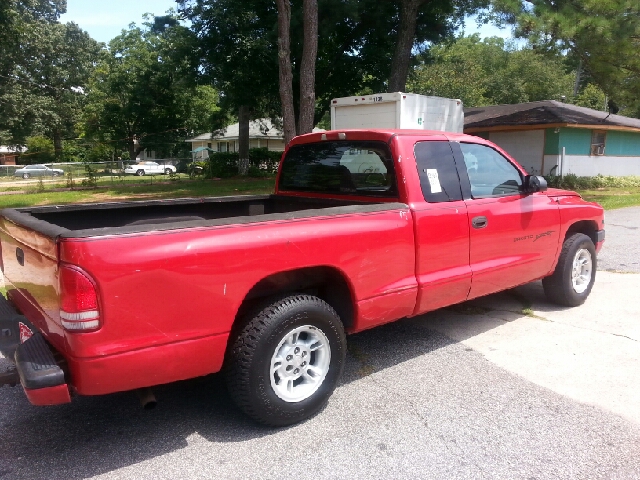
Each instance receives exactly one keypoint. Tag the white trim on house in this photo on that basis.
(592, 165)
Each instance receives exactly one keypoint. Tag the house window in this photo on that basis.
(598, 139)
(208, 145)
(223, 146)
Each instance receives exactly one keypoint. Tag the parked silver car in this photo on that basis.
(38, 171)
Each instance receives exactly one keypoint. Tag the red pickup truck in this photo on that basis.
(365, 227)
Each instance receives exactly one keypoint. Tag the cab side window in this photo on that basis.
(490, 174)
(437, 170)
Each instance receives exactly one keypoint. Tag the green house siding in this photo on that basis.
(576, 141)
(622, 144)
(551, 142)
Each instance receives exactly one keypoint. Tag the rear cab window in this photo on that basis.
(359, 168)
(439, 178)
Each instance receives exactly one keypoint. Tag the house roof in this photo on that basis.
(260, 128)
(546, 112)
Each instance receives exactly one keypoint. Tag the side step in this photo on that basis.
(36, 366)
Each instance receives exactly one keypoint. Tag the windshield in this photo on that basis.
(363, 168)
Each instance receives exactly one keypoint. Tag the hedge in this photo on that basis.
(262, 163)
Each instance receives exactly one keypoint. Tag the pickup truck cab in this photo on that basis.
(365, 227)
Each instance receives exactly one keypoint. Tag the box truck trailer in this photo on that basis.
(397, 110)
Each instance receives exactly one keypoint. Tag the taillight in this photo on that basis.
(78, 301)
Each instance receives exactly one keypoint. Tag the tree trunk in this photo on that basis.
(404, 44)
(243, 140)
(57, 144)
(284, 69)
(308, 66)
(131, 144)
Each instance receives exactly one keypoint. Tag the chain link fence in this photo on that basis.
(81, 169)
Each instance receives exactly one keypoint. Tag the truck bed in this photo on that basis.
(86, 220)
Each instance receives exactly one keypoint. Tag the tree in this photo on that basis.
(44, 66)
(143, 92)
(490, 71)
(307, 98)
(604, 35)
(356, 42)
(239, 57)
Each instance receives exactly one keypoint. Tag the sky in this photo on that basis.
(106, 19)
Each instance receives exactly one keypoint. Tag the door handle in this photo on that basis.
(20, 256)
(479, 222)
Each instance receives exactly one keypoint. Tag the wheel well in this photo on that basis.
(587, 227)
(326, 283)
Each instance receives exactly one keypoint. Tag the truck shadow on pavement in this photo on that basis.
(96, 435)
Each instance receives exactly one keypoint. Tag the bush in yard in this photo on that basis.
(262, 162)
(573, 182)
(39, 150)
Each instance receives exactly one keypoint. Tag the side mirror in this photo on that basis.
(534, 183)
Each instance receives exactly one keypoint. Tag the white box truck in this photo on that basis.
(397, 110)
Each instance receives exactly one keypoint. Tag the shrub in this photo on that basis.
(262, 162)
(573, 182)
(39, 150)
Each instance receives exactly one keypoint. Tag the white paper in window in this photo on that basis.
(434, 181)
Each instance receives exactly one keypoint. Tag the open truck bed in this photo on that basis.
(97, 219)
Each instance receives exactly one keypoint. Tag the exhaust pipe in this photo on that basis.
(147, 398)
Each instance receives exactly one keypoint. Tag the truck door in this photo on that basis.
(514, 237)
(441, 229)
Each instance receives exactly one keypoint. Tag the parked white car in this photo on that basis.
(149, 168)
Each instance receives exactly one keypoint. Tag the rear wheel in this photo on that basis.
(573, 278)
(140, 173)
(286, 361)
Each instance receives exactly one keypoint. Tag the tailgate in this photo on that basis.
(31, 274)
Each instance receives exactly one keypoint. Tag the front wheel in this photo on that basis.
(168, 171)
(573, 278)
(25, 175)
(286, 361)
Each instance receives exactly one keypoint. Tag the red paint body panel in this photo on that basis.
(166, 287)
(48, 396)
(147, 367)
(519, 243)
(168, 299)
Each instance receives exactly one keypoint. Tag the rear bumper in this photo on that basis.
(35, 367)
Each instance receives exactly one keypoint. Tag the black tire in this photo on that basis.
(56, 174)
(167, 171)
(26, 175)
(559, 287)
(249, 356)
(140, 173)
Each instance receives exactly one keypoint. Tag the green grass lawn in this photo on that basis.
(108, 192)
(612, 198)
